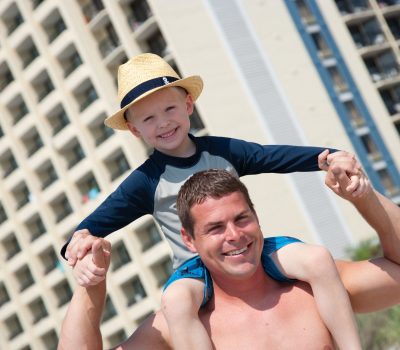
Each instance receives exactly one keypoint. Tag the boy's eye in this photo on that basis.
(170, 108)
(147, 119)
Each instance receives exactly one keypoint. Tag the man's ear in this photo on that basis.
(189, 104)
(188, 240)
(132, 129)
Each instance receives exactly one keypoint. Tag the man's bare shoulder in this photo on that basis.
(151, 334)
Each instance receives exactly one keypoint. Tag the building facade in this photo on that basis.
(305, 72)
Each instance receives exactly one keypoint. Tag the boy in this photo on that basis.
(155, 105)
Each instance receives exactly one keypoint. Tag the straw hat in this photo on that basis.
(143, 75)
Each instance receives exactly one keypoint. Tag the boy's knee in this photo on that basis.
(181, 299)
(319, 262)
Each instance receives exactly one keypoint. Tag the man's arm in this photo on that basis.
(375, 284)
(81, 326)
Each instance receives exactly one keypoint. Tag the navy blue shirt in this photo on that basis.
(153, 187)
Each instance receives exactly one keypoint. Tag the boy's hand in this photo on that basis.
(348, 166)
(339, 182)
(81, 242)
(92, 268)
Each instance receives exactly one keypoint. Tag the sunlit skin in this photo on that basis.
(162, 121)
(228, 237)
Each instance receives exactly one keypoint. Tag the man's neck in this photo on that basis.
(247, 291)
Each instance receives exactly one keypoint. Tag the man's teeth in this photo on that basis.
(237, 252)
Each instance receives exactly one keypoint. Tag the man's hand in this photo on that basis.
(92, 268)
(346, 166)
(338, 181)
(81, 242)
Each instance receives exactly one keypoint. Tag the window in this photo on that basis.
(4, 296)
(162, 271)
(6, 76)
(117, 165)
(38, 310)
(117, 337)
(322, 47)
(12, 19)
(55, 26)
(8, 163)
(17, 109)
(109, 310)
(46, 174)
(49, 260)
(387, 181)
(139, 11)
(134, 291)
(32, 142)
(99, 131)
(11, 246)
(27, 52)
(42, 85)
(58, 119)
(354, 115)
(61, 208)
(382, 66)
(35, 227)
(88, 187)
(50, 340)
(21, 195)
(63, 293)
(70, 63)
(372, 149)
(149, 237)
(305, 13)
(119, 256)
(156, 44)
(3, 214)
(86, 96)
(337, 80)
(72, 153)
(91, 9)
(14, 327)
(367, 33)
(109, 40)
(24, 277)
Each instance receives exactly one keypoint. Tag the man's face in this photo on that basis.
(227, 237)
(162, 120)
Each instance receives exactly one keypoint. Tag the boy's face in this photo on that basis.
(162, 120)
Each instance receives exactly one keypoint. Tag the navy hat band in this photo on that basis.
(144, 87)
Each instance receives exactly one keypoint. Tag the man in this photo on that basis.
(250, 310)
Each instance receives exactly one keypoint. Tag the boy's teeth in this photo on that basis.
(167, 135)
(237, 252)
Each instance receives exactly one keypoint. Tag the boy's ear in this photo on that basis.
(188, 240)
(132, 129)
(189, 104)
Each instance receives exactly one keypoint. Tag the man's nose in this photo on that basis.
(232, 232)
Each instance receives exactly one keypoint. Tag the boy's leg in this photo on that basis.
(180, 304)
(189, 287)
(315, 265)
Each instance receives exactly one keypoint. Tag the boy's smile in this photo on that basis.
(162, 120)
